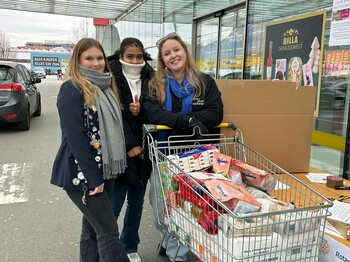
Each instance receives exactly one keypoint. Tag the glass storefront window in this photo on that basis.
(219, 42)
(206, 45)
(232, 45)
(254, 51)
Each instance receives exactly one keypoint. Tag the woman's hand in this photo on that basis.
(97, 190)
(135, 152)
(135, 107)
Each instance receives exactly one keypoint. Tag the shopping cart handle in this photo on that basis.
(227, 125)
(148, 128)
(153, 128)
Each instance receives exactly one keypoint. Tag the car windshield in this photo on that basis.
(38, 69)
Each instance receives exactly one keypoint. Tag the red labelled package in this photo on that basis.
(210, 222)
(255, 177)
(192, 192)
(188, 189)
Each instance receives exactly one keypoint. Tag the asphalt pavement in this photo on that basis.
(38, 223)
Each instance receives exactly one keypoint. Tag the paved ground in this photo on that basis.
(37, 221)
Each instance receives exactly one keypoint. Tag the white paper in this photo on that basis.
(340, 23)
(280, 186)
(205, 176)
(318, 177)
(340, 211)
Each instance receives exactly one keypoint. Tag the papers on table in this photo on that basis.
(340, 211)
(318, 177)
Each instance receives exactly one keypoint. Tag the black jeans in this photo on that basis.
(99, 240)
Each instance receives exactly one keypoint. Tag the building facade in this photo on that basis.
(228, 40)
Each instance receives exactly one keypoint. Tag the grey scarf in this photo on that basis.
(111, 123)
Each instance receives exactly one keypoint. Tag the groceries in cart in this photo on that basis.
(228, 203)
(198, 159)
(226, 209)
(235, 197)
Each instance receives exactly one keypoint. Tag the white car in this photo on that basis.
(40, 72)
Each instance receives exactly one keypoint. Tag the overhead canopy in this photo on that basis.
(110, 9)
(166, 10)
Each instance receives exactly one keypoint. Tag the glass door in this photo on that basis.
(219, 43)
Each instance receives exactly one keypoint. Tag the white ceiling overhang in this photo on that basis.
(110, 9)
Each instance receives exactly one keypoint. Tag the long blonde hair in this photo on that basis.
(158, 83)
(78, 79)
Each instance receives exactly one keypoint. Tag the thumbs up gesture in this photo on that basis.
(135, 107)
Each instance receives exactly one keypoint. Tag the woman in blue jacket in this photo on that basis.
(92, 151)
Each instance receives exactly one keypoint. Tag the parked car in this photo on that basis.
(333, 92)
(33, 74)
(20, 99)
(232, 75)
(40, 72)
(332, 99)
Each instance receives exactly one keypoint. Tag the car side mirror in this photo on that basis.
(36, 80)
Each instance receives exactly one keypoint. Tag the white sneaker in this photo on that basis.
(134, 257)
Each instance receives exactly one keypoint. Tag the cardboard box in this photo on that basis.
(342, 227)
(275, 118)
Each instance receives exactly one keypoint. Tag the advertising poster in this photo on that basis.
(293, 50)
(334, 251)
(47, 60)
(340, 23)
(336, 62)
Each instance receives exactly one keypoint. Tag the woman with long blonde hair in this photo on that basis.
(181, 97)
(92, 151)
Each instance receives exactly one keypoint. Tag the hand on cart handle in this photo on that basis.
(194, 122)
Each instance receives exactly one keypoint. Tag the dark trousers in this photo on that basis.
(99, 240)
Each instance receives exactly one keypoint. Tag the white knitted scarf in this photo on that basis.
(132, 73)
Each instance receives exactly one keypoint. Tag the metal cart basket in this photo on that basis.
(187, 210)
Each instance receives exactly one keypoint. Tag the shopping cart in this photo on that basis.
(186, 209)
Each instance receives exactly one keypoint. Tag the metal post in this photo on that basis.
(346, 163)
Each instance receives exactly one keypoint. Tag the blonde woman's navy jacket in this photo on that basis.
(76, 162)
(208, 109)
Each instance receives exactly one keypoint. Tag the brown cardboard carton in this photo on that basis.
(342, 227)
(275, 118)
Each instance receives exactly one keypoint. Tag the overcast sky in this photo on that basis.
(22, 27)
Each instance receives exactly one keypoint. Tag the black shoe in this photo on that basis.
(162, 251)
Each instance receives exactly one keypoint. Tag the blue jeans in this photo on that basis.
(135, 197)
(99, 240)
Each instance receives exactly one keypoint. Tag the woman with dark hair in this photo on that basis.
(132, 74)
(181, 97)
(92, 151)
